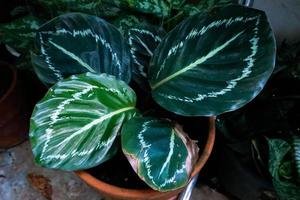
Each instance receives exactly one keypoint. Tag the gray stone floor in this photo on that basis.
(21, 179)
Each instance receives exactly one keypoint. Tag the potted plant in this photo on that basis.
(265, 149)
(211, 63)
(13, 121)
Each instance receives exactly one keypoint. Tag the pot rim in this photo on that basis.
(136, 193)
(13, 82)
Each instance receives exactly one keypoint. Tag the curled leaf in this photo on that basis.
(159, 152)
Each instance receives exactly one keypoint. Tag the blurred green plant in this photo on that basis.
(18, 33)
(271, 124)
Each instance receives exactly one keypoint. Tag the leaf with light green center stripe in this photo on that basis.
(75, 43)
(75, 125)
(159, 152)
(213, 62)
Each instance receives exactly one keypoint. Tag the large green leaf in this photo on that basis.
(75, 43)
(143, 40)
(281, 167)
(213, 62)
(159, 152)
(74, 126)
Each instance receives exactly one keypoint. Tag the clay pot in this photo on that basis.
(13, 123)
(118, 193)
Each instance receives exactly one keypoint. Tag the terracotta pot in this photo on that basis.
(118, 193)
(13, 123)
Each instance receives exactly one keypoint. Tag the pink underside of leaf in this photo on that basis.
(191, 146)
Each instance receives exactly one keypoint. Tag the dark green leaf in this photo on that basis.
(213, 62)
(75, 125)
(281, 167)
(75, 43)
(159, 8)
(176, 3)
(98, 8)
(125, 22)
(159, 152)
(19, 34)
(203, 6)
(143, 40)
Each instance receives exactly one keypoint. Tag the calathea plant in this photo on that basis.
(211, 63)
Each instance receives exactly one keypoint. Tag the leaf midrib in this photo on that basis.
(97, 121)
(196, 63)
(73, 56)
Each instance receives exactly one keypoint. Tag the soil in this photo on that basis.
(5, 80)
(117, 171)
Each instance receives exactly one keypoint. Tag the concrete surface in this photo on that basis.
(21, 179)
(284, 16)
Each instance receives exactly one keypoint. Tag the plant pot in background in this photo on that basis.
(13, 122)
(118, 193)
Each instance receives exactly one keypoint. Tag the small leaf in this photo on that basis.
(75, 125)
(75, 43)
(213, 62)
(143, 40)
(19, 34)
(159, 152)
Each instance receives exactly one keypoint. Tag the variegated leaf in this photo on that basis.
(202, 6)
(160, 8)
(213, 62)
(19, 34)
(159, 152)
(54, 8)
(282, 169)
(75, 125)
(75, 43)
(143, 40)
(125, 22)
